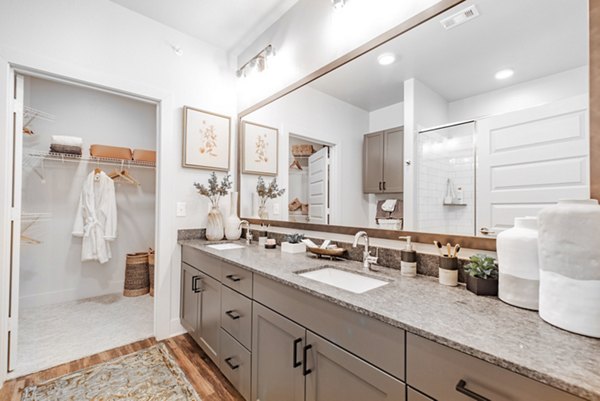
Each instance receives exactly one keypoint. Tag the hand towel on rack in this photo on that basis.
(67, 149)
(389, 205)
(96, 219)
(66, 140)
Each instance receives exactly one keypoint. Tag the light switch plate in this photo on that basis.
(181, 209)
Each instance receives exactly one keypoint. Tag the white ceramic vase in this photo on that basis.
(233, 231)
(570, 266)
(518, 265)
(214, 225)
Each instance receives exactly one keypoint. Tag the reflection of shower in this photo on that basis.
(445, 179)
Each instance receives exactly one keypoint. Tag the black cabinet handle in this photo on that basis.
(461, 388)
(233, 278)
(232, 314)
(380, 185)
(384, 185)
(231, 364)
(195, 287)
(305, 370)
(296, 363)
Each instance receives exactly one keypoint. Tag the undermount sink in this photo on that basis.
(225, 246)
(353, 282)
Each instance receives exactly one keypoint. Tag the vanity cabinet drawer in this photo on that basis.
(237, 278)
(201, 261)
(236, 316)
(236, 364)
(449, 375)
(370, 339)
(414, 395)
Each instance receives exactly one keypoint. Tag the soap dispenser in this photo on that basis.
(408, 259)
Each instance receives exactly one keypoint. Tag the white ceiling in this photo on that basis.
(534, 37)
(223, 23)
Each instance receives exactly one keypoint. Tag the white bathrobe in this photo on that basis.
(96, 219)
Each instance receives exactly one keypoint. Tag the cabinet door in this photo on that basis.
(373, 163)
(276, 357)
(190, 295)
(393, 161)
(336, 375)
(209, 316)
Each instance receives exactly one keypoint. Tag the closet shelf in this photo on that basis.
(64, 157)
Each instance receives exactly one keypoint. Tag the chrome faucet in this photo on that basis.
(248, 233)
(367, 258)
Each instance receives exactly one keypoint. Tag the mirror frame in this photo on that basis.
(423, 237)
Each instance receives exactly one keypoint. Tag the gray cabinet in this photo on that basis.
(277, 345)
(189, 299)
(383, 161)
(200, 310)
(209, 319)
(337, 375)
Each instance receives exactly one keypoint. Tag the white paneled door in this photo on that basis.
(318, 187)
(529, 159)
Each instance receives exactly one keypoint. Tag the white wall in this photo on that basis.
(52, 271)
(387, 117)
(100, 42)
(521, 96)
(323, 118)
(311, 34)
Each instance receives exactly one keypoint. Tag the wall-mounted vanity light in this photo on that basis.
(257, 63)
(338, 4)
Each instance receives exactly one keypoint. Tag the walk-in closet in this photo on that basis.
(88, 200)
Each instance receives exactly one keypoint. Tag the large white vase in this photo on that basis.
(233, 231)
(569, 251)
(214, 225)
(518, 264)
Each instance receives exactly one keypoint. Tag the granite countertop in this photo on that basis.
(484, 327)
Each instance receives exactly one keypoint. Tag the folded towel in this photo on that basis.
(66, 140)
(67, 149)
(389, 205)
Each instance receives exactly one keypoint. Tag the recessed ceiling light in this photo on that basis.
(504, 74)
(386, 58)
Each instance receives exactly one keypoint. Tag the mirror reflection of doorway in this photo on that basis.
(308, 180)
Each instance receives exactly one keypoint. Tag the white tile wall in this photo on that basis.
(442, 155)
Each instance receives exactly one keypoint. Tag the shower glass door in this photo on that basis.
(445, 184)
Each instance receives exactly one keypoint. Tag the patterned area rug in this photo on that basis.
(149, 374)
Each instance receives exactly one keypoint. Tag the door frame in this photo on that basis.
(12, 62)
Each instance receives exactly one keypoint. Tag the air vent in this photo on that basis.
(460, 18)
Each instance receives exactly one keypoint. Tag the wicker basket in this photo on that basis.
(302, 150)
(137, 280)
(151, 270)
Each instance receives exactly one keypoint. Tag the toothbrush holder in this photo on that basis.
(448, 271)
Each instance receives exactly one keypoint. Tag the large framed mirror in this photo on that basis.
(455, 127)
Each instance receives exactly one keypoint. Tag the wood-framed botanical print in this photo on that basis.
(260, 149)
(206, 140)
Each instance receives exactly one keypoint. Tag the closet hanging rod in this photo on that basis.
(65, 157)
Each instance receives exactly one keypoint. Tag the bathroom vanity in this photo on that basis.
(277, 335)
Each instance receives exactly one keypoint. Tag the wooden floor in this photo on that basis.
(210, 384)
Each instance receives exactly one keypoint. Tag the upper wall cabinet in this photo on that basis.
(383, 160)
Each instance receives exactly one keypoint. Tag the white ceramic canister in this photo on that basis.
(569, 255)
(518, 264)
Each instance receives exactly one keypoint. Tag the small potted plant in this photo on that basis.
(482, 275)
(266, 192)
(293, 244)
(214, 192)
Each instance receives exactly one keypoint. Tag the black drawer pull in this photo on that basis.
(233, 314)
(296, 362)
(233, 278)
(231, 364)
(195, 287)
(461, 388)
(305, 371)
